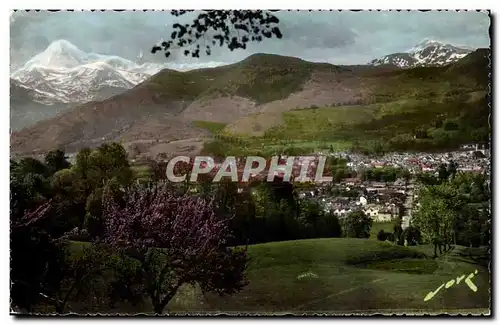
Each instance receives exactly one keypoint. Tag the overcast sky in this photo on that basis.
(336, 37)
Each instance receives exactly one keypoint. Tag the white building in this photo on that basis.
(342, 212)
(378, 214)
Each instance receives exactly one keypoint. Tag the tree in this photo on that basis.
(412, 235)
(329, 226)
(472, 225)
(29, 187)
(478, 155)
(436, 215)
(430, 219)
(66, 182)
(180, 169)
(421, 134)
(225, 196)
(261, 197)
(382, 235)
(30, 166)
(98, 166)
(441, 138)
(231, 28)
(472, 187)
(311, 213)
(27, 191)
(68, 201)
(82, 167)
(76, 276)
(244, 224)
(453, 202)
(450, 125)
(427, 179)
(42, 270)
(34, 255)
(378, 148)
(93, 204)
(93, 222)
(280, 190)
(56, 160)
(398, 230)
(443, 172)
(173, 241)
(357, 225)
(452, 168)
(480, 135)
(455, 212)
(340, 174)
(158, 170)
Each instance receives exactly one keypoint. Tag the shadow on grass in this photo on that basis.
(411, 266)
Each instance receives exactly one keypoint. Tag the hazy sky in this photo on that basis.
(336, 37)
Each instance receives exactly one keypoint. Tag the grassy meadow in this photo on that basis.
(343, 275)
(349, 275)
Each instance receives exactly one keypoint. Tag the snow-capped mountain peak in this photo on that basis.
(426, 53)
(435, 43)
(64, 73)
(425, 44)
(59, 55)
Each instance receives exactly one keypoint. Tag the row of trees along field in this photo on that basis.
(96, 233)
(454, 209)
(447, 135)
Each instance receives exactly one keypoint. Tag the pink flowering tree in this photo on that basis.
(172, 240)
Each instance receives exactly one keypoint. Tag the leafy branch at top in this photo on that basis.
(231, 28)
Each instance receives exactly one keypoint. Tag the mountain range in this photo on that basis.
(248, 97)
(65, 74)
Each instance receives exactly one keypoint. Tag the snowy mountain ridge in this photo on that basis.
(64, 73)
(426, 53)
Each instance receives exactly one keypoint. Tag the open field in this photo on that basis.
(343, 285)
(338, 275)
(213, 127)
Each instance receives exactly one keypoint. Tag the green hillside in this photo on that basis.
(447, 105)
(260, 77)
(347, 275)
(416, 109)
(268, 77)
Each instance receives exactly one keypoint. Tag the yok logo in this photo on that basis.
(453, 282)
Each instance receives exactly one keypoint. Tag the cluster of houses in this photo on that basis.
(470, 158)
(380, 201)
